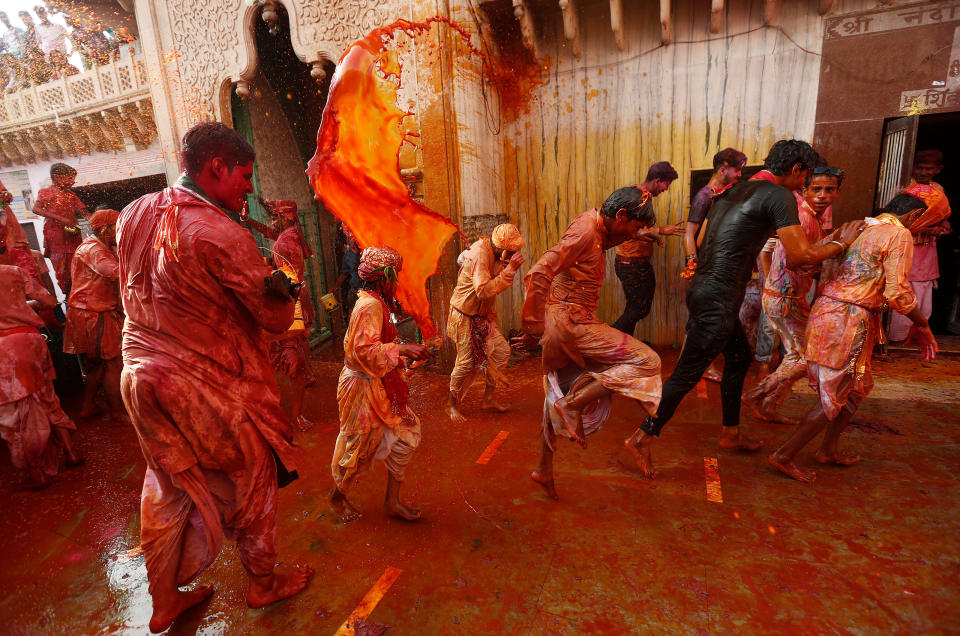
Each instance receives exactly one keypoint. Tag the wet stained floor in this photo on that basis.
(872, 549)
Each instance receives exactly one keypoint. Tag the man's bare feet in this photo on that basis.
(89, 410)
(836, 458)
(348, 514)
(547, 483)
(397, 509)
(786, 466)
(120, 418)
(164, 615)
(491, 404)
(76, 462)
(639, 447)
(733, 438)
(455, 415)
(35, 485)
(265, 590)
(752, 399)
(571, 421)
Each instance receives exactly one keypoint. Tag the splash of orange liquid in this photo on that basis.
(356, 168)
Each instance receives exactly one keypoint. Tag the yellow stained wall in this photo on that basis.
(599, 121)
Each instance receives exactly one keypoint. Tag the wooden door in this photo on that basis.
(896, 160)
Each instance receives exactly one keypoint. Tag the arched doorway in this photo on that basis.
(280, 117)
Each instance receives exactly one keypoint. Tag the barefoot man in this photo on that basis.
(585, 360)
(31, 420)
(94, 319)
(196, 379)
(488, 268)
(741, 220)
(845, 323)
(375, 419)
(785, 304)
(60, 207)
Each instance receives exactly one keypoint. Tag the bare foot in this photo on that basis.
(738, 440)
(789, 468)
(401, 511)
(547, 483)
(490, 404)
(640, 449)
(35, 485)
(455, 415)
(75, 462)
(304, 424)
(277, 586)
(163, 617)
(120, 418)
(571, 421)
(752, 401)
(837, 458)
(348, 514)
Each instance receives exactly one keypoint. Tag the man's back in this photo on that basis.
(740, 222)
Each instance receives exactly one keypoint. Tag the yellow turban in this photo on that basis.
(507, 237)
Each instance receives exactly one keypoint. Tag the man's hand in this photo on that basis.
(673, 230)
(5, 197)
(925, 338)
(848, 233)
(515, 262)
(526, 342)
(415, 351)
(650, 234)
(690, 269)
(279, 286)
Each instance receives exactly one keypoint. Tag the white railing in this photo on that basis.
(102, 86)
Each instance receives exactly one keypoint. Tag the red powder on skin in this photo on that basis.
(355, 170)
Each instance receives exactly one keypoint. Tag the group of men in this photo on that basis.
(206, 314)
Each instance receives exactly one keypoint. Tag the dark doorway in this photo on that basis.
(942, 132)
(119, 194)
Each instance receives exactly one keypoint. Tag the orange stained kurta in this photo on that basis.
(94, 320)
(369, 426)
(843, 325)
(561, 301)
(29, 408)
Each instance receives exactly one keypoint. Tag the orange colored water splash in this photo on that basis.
(356, 168)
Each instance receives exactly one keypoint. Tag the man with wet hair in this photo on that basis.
(60, 207)
(632, 263)
(845, 324)
(197, 382)
(741, 220)
(584, 360)
(785, 297)
(488, 269)
(926, 265)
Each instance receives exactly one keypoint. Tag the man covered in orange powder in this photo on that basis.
(289, 355)
(31, 420)
(375, 419)
(94, 317)
(585, 360)
(60, 207)
(845, 324)
(487, 269)
(196, 380)
(785, 292)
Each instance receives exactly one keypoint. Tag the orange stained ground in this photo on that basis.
(873, 549)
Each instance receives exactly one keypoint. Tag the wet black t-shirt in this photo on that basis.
(741, 221)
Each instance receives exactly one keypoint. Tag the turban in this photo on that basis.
(507, 237)
(938, 208)
(285, 207)
(379, 262)
(103, 218)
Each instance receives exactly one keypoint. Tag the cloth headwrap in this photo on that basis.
(287, 208)
(103, 218)
(379, 262)
(507, 237)
(938, 208)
